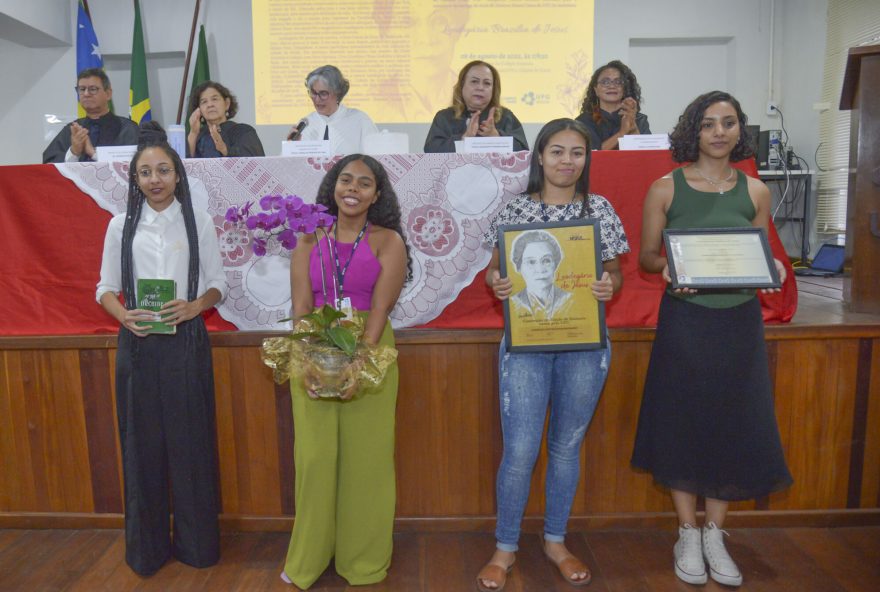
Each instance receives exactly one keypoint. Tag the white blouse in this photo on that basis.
(348, 128)
(160, 251)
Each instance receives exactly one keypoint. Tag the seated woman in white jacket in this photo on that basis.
(343, 126)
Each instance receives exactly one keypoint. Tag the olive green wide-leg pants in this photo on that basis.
(345, 484)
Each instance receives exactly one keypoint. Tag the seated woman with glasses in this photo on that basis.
(212, 134)
(611, 106)
(343, 126)
(475, 111)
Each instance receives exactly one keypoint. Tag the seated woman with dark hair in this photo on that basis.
(611, 106)
(476, 111)
(211, 133)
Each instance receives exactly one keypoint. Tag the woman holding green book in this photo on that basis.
(161, 249)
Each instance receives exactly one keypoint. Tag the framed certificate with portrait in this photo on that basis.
(551, 266)
(728, 258)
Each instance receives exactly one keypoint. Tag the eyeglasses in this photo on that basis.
(321, 94)
(611, 82)
(87, 90)
(163, 172)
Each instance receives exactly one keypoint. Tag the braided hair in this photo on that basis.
(153, 136)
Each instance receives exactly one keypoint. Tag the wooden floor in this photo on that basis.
(797, 559)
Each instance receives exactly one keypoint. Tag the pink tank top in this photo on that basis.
(360, 275)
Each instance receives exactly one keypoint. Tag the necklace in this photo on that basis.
(715, 183)
(545, 216)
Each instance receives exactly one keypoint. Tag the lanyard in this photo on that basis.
(341, 271)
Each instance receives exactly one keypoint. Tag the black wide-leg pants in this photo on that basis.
(165, 409)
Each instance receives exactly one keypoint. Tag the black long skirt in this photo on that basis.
(165, 409)
(707, 424)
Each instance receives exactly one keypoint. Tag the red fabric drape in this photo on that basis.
(54, 235)
(54, 238)
(623, 177)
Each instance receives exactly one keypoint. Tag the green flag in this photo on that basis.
(201, 71)
(138, 92)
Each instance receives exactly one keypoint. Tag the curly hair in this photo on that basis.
(151, 135)
(385, 212)
(196, 97)
(458, 106)
(536, 169)
(631, 88)
(685, 138)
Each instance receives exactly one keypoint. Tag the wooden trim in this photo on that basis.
(532, 524)
(860, 424)
(100, 429)
(434, 336)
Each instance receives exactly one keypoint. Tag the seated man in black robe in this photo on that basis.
(100, 127)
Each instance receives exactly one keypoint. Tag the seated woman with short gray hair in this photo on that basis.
(344, 127)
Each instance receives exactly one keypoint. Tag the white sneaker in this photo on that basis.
(689, 564)
(721, 567)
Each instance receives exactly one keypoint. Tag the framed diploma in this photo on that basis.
(720, 258)
(552, 266)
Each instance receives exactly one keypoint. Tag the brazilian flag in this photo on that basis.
(138, 92)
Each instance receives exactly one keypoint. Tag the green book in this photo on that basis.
(153, 295)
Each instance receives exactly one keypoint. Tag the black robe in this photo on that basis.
(113, 131)
(241, 140)
(446, 129)
(608, 126)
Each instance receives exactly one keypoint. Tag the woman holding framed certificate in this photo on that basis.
(568, 381)
(707, 425)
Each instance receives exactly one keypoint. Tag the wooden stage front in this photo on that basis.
(61, 461)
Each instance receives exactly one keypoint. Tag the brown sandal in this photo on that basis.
(569, 566)
(493, 573)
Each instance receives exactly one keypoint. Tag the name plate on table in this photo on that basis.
(489, 144)
(644, 142)
(306, 148)
(552, 266)
(115, 153)
(720, 258)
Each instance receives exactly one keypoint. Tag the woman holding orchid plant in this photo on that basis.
(344, 454)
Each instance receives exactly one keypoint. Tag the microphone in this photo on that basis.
(296, 132)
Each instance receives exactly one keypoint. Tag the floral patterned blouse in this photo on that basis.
(522, 209)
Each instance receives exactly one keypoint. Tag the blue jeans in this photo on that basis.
(570, 382)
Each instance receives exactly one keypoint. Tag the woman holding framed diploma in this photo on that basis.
(344, 452)
(164, 383)
(568, 382)
(707, 425)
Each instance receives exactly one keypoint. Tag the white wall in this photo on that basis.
(637, 30)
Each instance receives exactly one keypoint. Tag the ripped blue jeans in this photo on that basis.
(569, 382)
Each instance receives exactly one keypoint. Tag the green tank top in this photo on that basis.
(702, 209)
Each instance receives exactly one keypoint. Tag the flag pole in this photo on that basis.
(192, 35)
(85, 4)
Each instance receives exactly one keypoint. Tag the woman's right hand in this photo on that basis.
(668, 279)
(195, 122)
(473, 126)
(501, 287)
(131, 318)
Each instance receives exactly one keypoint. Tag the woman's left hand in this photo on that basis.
(487, 128)
(178, 311)
(214, 130)
(603, 289)
(780, 269)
